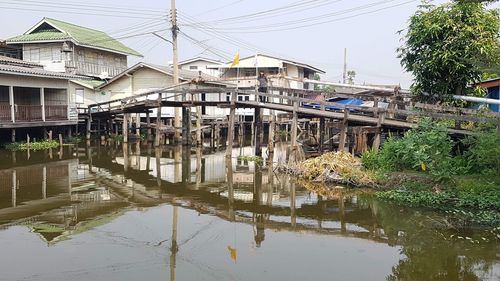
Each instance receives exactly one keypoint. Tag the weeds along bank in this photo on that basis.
(424, 168)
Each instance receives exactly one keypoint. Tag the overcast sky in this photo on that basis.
(368, 32)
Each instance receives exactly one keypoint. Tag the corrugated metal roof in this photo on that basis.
(81, 35)
(36, 72)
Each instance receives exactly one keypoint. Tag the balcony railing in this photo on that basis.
(56, 112)
(95, 69)
(5, 114)
(28, 113)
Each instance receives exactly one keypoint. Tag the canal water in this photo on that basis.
(132, 212)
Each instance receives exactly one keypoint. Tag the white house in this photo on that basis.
(205, 65)
(65, 47)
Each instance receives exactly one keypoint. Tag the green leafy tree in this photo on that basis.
(448, 47)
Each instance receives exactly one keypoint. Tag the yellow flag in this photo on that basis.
(232, 253)
(236, 59)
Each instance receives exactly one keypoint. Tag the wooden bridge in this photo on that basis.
(313, 107)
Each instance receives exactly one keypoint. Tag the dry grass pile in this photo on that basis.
(338, 167)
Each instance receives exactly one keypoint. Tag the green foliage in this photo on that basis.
(484, 151)
(39, 145)
(425, 148)
(74, 139)
(447, 48)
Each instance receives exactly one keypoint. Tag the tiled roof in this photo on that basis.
(81, 35)
(12, 61)
(91, 84)
(36, 72)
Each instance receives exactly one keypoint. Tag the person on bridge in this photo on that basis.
(262, 79)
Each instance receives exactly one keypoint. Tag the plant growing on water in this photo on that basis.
(256, 159)
(74, 139)
(39, 145)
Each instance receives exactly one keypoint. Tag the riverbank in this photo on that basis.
(423, 169)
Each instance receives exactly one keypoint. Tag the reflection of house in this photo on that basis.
(493, 88)
(65, 47)
(277, 69)
(207, 66)
(33, 97)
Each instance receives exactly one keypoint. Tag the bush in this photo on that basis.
(425, 148)
(484, 151)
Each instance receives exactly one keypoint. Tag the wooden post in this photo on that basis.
(272, 129)
(212, 135)
(148, 124)
(138, 125)
(12, 104)
(217, 134)
(294, 124)
(186, 123)
(89, 122)
(70, 131)
(60, 140)
(42, 102)
(258, 131)
(199, 139)
(230, 128)
(50, 135)
(158, 121)
(125, 128)
(28, 140)
(321, 132)
(343, 131)
(378, 134)
(13, 136)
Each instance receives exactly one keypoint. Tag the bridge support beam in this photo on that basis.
(186, 126)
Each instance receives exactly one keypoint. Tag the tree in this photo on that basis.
(351, 74)
(448, 47)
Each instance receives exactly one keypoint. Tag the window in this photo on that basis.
(193, 67)
(100, 59)
(35, 55)
(56, 54)
(79, 95)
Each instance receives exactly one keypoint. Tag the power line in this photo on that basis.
(308, 20)
(219, 8)
(72, 12)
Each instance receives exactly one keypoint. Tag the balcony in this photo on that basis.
(86, 68)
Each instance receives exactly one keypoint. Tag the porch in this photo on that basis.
(27, 104)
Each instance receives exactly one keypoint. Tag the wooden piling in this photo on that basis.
(125, 128)
(13, 135)
(343, 131)
(148, 124)
(186, 122)
(272, 129)
(199, 135)
(60, 140)
(158, 122)
(89, 123)
(230, 128)
(258, 131)
(321, 137)
(378, 134)
(49, 135)
(138, 125)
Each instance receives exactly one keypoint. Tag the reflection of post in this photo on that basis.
(178, 163)
(293, 216)
(186, 164)
(257, 186)
(14, 188)
(138, 155)
(44, 182)
(14, 158)
(230, 187)
(125, 157)
(198, 166)
(342, 213)
(89, 157)
(148, 160)
(174, 248)
(158, 153)
(70, 171)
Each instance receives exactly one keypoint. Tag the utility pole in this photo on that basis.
(175, 66)
(344, 75)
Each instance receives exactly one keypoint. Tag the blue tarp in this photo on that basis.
(356, 102)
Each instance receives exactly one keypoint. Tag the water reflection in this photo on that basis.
(86, 188)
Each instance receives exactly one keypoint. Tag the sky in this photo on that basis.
(315, 32)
